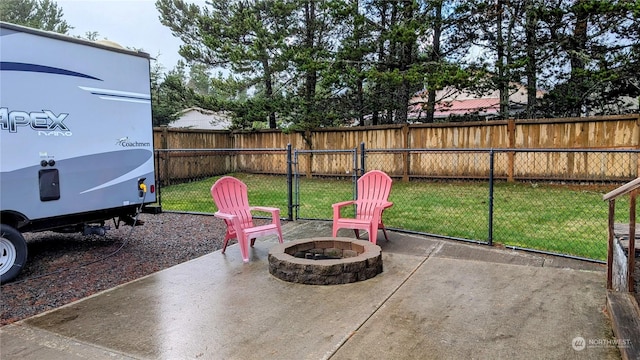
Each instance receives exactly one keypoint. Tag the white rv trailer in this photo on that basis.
(76, 137)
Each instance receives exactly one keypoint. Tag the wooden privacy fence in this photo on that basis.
(183, 165)
(600, 147)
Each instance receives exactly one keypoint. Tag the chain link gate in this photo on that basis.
(332, 173)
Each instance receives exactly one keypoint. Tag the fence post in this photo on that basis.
(362, 164)
(511, 132)
(165, 142)
(289, 184)
(296, 172)
(158, 181)
(310, 160)
(405, 154)
(491, 169)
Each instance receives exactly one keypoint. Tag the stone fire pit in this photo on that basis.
(325, 261)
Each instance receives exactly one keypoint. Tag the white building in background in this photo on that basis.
(201, 119)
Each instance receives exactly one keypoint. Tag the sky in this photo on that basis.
(130, 23)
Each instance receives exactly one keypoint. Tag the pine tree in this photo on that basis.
(38, 14)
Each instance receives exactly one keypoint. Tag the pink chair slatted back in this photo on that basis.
(230, 196)
(373, 190)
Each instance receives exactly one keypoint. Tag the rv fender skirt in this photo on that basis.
(13, 253)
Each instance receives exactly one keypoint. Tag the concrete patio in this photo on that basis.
(435, 299)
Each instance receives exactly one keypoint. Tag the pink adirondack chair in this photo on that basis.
(230, 196)
(373, 191)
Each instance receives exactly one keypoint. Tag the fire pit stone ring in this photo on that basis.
(325, 260)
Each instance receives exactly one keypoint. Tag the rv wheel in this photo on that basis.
(13, 253)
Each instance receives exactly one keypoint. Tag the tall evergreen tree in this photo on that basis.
(247, 37)
(320, 63)
(199, 79)
(397, 74)
(39, 14)
(169, 93)
(441, 54)
(593, 43)
(343, 80)
(310, 49)
(531, 44)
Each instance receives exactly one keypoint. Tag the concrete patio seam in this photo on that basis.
(381, 304)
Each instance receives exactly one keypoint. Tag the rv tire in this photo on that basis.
(13, 253)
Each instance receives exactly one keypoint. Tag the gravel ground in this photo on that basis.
(63, 268)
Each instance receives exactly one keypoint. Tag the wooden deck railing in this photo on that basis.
(630, 188)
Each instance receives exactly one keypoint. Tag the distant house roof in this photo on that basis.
(452, 102)
(484, 107)
(202, 119)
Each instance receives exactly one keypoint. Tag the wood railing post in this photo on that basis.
(612, 211)
(632, 188)
(637, 144)
(631, 260)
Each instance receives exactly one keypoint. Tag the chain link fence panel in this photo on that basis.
(542, 200)
(559, 209)
(185, 177)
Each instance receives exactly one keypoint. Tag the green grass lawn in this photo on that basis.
(559, 219)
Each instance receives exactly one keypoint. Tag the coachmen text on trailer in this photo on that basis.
(76, 137)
